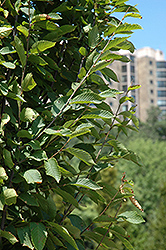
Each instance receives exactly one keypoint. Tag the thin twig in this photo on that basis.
(108, 228)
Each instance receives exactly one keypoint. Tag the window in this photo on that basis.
(151, 72)
(132, 68)
(152, 101)
(124, 88)
(161, 84)
(132, 79)
(150, 62)
(124, 78)
(161, 103)
(161, 65)
(161, 74)
(124, 107)
(151, 81)
(151, 91)
(161, 93)
(124, 68)
(132, 58)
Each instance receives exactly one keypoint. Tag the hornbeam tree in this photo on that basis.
(55, 122)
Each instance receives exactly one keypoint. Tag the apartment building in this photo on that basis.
(148, 69)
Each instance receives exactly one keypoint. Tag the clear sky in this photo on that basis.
(153, 22)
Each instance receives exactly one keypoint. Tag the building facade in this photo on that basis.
(147, 67)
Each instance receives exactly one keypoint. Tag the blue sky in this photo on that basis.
(153, 23)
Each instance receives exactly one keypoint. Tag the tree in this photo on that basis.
(149, 187)
(55, 122)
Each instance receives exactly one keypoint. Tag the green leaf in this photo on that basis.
(93, 37)
(79, 132)
(23, 30)
(38, 155)
(32, 176)
(4, 120)
(41, 46)
(85, 183)
(133, 15)
(8, 65)
(126, 98)
(110, 93)
(24, 236)
(131, 216)
(134, 87)
(77, 221)
(28, 83)
(110, 30)
(126, 45)
(36, 59)
(82, 73)
(38, 235)
(67, 197)
(113, 43)
(67, 29)
(127, 27)
(98, 114)
(106, 242)
(81, 154)
(125, 242)
(15, 97)
(9, 236)
(5, 31)
(110, 73)
(4, 89)
(7, 158)
(28, 114)
(99, 66)
(107, 55)
(34, 145)
(10, 196)
(52, 169)
(62, 231)
(28, 199)
(125, 8)
(83, 51)
(87, 97)
(24, 134)
(3, 174)
(20, 50)
(59, 105)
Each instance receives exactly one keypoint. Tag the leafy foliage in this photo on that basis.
(55, 124)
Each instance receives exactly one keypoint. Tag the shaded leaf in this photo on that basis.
(62, 231)
(81, 154)
(38, 235)
(7, 158)
(9, 236)
(20, 50)
(28, 199)
(93, 37)
(24, 236)
(28, 83)
(67, 197)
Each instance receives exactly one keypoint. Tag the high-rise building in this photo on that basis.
(148, 69)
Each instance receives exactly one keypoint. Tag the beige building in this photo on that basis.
(148, 69)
